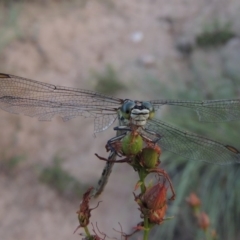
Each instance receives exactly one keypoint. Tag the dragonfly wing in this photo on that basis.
(192, 146)
(44, 101)
(208, 111)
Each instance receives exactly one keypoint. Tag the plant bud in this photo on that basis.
(193, 200)
(155, 197)
(157, 216)
(149, 157)
(203, 221)
(132, 144)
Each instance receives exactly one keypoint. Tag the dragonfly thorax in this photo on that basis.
(137, 112)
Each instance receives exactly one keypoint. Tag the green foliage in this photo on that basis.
(9, 165)
(108, 81)
(60, 180)
(217, 186)
(9, 28)
(215, 35)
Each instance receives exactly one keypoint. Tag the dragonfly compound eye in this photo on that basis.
(149, 106)
(126, 108)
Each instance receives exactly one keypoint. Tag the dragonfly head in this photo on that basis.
(137, 112)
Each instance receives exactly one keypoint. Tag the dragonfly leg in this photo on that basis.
(122, 128)
(124, 160)
(113, 146)
(110, 143)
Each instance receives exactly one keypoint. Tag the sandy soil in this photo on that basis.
(61, 43)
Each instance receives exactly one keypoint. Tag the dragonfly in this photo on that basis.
(44, 101)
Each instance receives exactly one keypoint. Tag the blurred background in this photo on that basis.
(186, 49)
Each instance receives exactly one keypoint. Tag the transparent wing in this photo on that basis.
(42, 100)
(208, 111)
(192, 146)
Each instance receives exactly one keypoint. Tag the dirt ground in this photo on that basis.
(62, 43)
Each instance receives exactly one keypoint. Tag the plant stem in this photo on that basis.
(146, 228)
(87, 232)
(142, 175)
